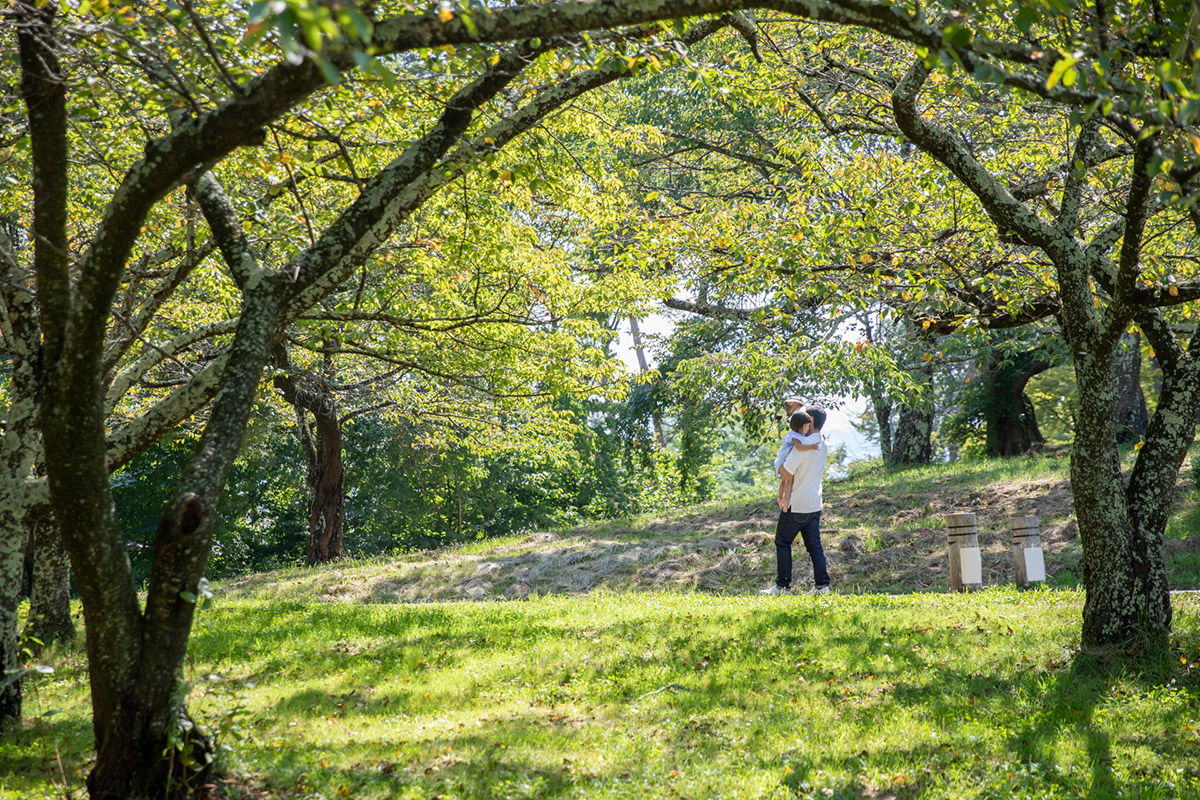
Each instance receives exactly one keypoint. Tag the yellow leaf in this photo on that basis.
(867, 258)
(905, 296)
(895, 261)
(489, 140)
(1195, 140)
(1137, 446)
(1173, 291)
(506, 175)
(445, 14)
(925, 324)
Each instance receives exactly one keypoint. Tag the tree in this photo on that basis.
(49, 618)
(135, 652)
(1132, 417)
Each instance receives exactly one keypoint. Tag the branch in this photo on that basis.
(126, 442)
(715, 311)
(135, 326)
(227, 231)
(44, 91)
(156, 354)
(1001, 206)
(1068, 215)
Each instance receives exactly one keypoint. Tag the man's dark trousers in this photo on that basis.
(807, 526)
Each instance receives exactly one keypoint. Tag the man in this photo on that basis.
(800, 511)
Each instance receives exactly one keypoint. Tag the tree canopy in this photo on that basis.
(381, 191)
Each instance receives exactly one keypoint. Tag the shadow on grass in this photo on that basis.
(32, 749)
(712, 673)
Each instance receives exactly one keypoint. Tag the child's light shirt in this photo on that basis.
(788, 441)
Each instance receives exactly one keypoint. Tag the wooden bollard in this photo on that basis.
(1028, 560)
(966, 566)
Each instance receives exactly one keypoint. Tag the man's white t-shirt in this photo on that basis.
(807, 468)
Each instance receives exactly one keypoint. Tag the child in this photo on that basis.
(801, 435)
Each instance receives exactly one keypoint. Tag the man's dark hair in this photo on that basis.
(798, 420)
(818, 416)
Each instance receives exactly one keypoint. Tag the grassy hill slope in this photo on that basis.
(884, 531)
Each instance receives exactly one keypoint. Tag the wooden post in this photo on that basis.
(966, 566)
(1028, 561)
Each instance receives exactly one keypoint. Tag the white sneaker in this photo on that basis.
(819, 590)
(777, 590)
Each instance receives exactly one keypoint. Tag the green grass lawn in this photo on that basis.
(663, 695)
(641, 662)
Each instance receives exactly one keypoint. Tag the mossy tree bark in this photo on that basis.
(49, 617)
(1132, 416)
(913, 443)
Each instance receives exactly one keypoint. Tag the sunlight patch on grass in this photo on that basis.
(662, 695)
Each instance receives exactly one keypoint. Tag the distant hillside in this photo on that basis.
(883, 532)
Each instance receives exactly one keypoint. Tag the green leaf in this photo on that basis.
(1026, 18)
(1059, 71)
(328, 70)
(957, 35)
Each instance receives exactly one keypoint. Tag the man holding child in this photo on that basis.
(801, 467)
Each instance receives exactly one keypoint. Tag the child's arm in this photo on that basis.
(785, 490)
(808, 441)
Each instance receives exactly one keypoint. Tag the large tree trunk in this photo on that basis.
(1123, 569)
(50, 602)
(324, 472)
(913, 444)
(1009, 414)
(1132, 417)
(1128, 600)
(18, 452)
(12, 559)
(881, 407)
(145, 743)
(914, 430)
(326, 510)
